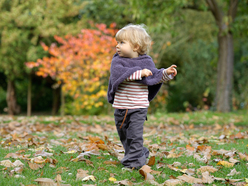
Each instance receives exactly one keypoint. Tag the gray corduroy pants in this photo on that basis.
(131, 136)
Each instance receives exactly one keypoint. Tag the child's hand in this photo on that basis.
(172, 70)
(145, 73)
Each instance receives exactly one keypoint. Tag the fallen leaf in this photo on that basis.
(6, 163)
(95, 139)
(156, 172)
(233, 172)
(203, 148)
(189, 171)
(176, 164)
(151, 161)
(58, 178)
(190, 148)
(207, 168)
(189, 179)
(81, 174)
(45, 182)
(153, 182)
(206, 178)
(13, 155)
(112, 179)
(243, 156)
(173, 182)
(124, 182)
(146, 175)
(38, 160)
(18, 169)
(203, 159)
(232, 160)
(145, 172)
(160, 165)
(70, 152)
(111, 162)
(35, 166)
(239, 184)
(173, 168)
(225, 164)
(43, 154)
(146, 168)
(90, 177)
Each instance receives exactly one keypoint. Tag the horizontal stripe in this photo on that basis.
(131, 95)
(141, 97)
(133, 107)
(130, 101)
(132, 90)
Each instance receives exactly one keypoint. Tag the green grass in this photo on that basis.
(205, 118)
(167, 135)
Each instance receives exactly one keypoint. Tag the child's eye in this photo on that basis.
(122, 42)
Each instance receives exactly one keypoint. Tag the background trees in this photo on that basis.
(81, 66)
(23, 25)
(224, 13)
(184, 32)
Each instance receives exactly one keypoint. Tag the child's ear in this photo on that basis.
(136, 48)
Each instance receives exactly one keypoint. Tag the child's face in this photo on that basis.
(125, 49)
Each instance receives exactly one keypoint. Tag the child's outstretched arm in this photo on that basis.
(172, 70)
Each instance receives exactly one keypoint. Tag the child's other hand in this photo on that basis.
(145, 73)
(172, 70)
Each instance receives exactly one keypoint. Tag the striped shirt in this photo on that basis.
(131, 94)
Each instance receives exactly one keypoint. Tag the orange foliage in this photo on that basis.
(81, 63)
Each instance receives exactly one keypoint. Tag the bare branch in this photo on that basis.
(233, 8)
(216, 11)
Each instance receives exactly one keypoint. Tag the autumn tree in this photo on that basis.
(80, 64)
(24, 23)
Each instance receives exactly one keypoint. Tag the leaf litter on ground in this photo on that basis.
(28, 141)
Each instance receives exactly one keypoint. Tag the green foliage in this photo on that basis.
(25, 23)
(108, 11)
(240, 24)
(196, 79)
(159, 15)
(240, 90)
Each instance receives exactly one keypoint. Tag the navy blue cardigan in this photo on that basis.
(122, 68)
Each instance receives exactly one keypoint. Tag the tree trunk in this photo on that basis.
(225, 73)
(226, 54)
(29, 97)
(56, 99)
(62, 107)
(13, 108)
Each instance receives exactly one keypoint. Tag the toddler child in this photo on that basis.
(134, 82)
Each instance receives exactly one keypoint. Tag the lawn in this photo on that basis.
(187, 148)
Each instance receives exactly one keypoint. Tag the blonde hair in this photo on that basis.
(136, 35)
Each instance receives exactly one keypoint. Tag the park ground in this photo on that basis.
(198, 148)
